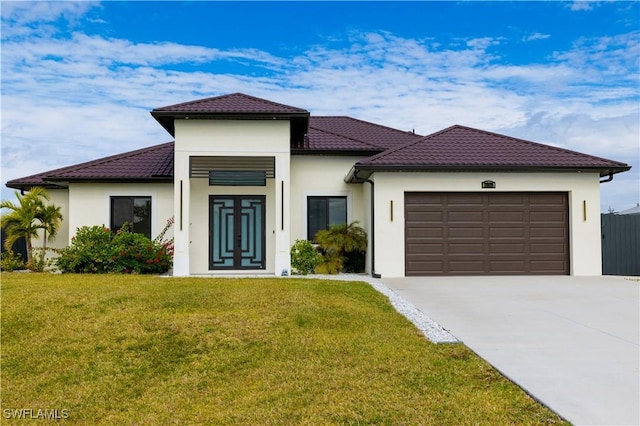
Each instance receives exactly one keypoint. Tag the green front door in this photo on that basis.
(236, 232)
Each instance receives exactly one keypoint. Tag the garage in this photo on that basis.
(471, 233)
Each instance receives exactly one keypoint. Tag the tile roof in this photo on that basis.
(465, 147)
(377, 135)
(234, 103)
(457, 147)
(152, 163)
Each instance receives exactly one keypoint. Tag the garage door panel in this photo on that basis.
(546, 217)
(426, 267)
(426, 232)
(426, 248)
(558, 232)
(424, 199)
(548, 198)
(506, 216)
(547, 267)
(504, 232)
(547, 248)
(512, 248)
(465, 199)
(466, 248)
(486, 233)
(424, 217)
(464, 217)
(466, 232)
(467, 266)
(506, 199)
(507, 266)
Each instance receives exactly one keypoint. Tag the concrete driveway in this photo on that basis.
(571, 342)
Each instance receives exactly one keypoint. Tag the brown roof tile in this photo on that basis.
(234, 103)
(377, 135)
(465, 147)
(152, 163)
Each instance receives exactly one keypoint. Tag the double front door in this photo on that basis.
(237, 232)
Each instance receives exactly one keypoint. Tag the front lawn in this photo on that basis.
(120, 349)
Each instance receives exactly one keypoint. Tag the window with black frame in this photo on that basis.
(136, 211)
(322, 212)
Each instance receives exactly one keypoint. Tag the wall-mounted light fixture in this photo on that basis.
(488, 184)
(391, 207)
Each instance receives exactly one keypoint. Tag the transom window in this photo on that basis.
(136, 211)
(323, 212)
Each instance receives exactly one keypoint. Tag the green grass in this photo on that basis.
(116, 349)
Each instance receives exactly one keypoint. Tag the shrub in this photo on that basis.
(304, 257)
(10, 261)
(39, 261)
(338, 245)
(96, 249)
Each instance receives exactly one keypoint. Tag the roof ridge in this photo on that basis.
(376, 147)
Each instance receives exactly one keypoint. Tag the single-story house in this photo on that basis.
(246, 177)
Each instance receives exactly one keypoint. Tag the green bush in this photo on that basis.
(95, 249)
(11, 261)
(304, 257)
(343, 248)
(39, 261)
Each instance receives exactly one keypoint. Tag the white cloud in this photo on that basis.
(536, 36)
(90, 96)
(582, 5)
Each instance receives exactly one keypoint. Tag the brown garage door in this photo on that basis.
(486, 234)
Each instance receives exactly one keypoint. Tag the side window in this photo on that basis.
(133, 210)
(323, 212)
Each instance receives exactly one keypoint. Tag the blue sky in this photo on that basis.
(79, 78)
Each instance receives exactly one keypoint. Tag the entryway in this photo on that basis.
(236, 232)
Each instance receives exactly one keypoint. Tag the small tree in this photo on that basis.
(27, 216)
(338, 242)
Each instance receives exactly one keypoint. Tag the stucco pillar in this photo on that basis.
(282, 217)
(182, 197)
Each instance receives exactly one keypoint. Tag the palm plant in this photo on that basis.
(27, 215)
(337, 243)
(50, 218)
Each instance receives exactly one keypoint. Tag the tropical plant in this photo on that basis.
(96, 249)
(10, 261)
(27, 216)
(50, 218)
(338, 243)
(304, 257)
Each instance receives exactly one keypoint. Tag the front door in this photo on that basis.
(237, 232)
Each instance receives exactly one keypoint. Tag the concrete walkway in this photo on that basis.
(571, 342)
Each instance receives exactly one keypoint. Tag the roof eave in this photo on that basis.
(603, 171)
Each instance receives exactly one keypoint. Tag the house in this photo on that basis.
(245, 177)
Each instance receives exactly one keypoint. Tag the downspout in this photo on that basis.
(373, 227)
(609, 179)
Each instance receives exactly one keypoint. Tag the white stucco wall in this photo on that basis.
(232, 137)
(584, 235)
(323, 176)
(89, 204)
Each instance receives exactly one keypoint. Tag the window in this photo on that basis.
(323, 212)
(133, 210)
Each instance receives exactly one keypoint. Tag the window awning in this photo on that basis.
(201, 167)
